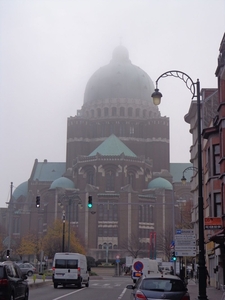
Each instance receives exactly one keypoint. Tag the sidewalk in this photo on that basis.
(211, 292)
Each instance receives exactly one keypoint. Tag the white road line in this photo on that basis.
(63, 296)
(121, 295)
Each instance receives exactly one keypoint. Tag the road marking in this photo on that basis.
(63, 296)
(121, 295)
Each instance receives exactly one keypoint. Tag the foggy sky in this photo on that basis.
(50, 49)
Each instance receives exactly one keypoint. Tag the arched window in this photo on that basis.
(137, 112)
(100, 246)
(92, 113)
(114, 246)
(90, 178)
(131, 179)
(110, 181)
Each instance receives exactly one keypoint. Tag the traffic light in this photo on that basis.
(89, 201)
(7, 253)
(174, 258)
(38, 200)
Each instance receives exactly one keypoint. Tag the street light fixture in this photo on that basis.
(194, 88)
(183, 179)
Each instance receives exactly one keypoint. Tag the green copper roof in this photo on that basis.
(112, 146)
(48, 171)
(20, 190)
(160, 183)
(62, 182)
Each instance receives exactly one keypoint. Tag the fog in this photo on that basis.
(50, 49)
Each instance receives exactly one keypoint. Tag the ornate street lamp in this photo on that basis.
(194, 87)
(183, 179)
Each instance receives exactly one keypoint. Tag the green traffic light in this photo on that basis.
(90, 202)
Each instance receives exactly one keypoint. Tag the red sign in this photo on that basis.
(213, 223)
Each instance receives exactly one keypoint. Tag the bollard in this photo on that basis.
(34, 277)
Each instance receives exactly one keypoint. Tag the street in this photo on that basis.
(109, 288)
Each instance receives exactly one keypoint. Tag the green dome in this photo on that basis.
(160, 183)
(21, 190)
(62, 182)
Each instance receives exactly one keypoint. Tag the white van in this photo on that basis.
(70, 268)
(143, 266)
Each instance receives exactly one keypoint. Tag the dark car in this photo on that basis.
(27, 268)
(159, 287)
(13, 284)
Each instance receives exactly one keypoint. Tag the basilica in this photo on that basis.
(117, 152)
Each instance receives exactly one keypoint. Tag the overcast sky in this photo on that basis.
(50, 49)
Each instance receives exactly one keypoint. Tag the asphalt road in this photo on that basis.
(109, 288)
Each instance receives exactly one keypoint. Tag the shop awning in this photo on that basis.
(218, 237)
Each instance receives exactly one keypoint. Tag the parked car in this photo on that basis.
(159, 287)
(13, 284)
(27, 268)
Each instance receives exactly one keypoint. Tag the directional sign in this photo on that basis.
(185, 236)
(181, 248)
(185, 231)
(185, 253)
(185, 242)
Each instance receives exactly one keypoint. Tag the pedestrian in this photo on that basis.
(171, 270)
(207, 277)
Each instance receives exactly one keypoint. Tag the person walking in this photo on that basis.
(171, 270)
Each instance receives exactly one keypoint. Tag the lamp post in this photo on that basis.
(194, 88)
(63, 236)
(71, 199)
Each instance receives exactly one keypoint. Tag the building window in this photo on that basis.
(131, 180)
(216, 159)
(131, 130)
(17, 225)
(90, 178)
(137, 112)
(110, 181)
(144, 113)
(146, 213)
(108, 212)
(122, 129)
(92, 113)
(217, 205)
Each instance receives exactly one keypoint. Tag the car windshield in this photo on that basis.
(168, 285)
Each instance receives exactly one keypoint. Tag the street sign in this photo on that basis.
(185, 231)
(185, 243)
(185, 253)
(181, 248)
(184, 236)
(138, 266)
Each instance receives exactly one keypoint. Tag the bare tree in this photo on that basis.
(163, 242)
(133, 246)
